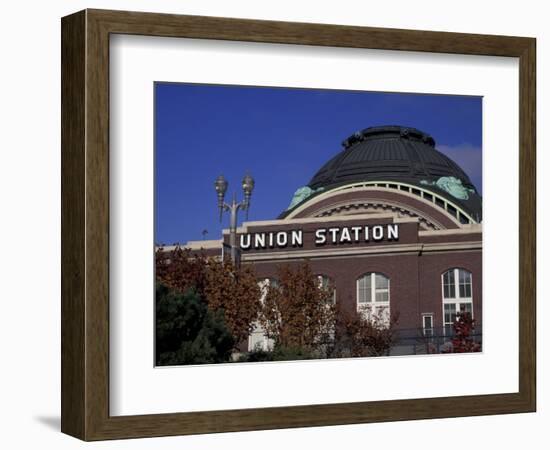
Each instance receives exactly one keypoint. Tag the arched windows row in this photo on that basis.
(373, 298)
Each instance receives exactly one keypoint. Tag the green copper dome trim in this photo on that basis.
(301, 194)
(451, 185)
(452, 208)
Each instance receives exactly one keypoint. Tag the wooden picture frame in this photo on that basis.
(85, 224)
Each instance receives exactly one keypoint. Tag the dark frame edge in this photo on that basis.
(85, 61)
(307, 416)
(527, 224)
(73, 226)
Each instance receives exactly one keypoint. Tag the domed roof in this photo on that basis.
(400, 154)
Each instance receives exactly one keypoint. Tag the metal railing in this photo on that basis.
(409, 341)
(418, 341)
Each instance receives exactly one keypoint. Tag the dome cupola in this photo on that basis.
(393, 154)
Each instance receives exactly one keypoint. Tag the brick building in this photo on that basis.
(391, 223)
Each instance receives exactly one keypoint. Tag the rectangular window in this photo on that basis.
(373, 298)
(448, 284)
(465, 284)
(450, 318)
(364, 289)
(457, 296)
(450, 313)
(465, 291)
(427, 324)
(382, 288)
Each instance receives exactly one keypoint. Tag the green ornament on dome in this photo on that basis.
(301, 194)
(451, 185)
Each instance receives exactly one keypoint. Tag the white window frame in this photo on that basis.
(424, 328)
(457, 300)
(369, 307)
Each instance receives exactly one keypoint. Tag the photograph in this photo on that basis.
(305, 224)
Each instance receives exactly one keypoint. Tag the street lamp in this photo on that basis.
(221, 188)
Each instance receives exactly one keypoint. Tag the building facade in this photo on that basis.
(391, 223)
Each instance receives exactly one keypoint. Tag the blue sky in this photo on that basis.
(282, 137)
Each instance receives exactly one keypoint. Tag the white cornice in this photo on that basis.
(389, 250)
(473, 228)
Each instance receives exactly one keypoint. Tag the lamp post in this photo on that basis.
(221, 188)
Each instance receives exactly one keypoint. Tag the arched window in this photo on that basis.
(457, 296)
(326, 283)
(373, 296)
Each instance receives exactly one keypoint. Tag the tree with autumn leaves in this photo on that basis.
(362, 335)
(236, 292)
(299, 314)
(462, 341)
(298, 311)
(221, 285)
